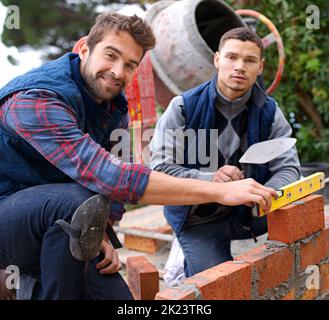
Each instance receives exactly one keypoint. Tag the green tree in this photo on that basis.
(55, 24)
(303, 93)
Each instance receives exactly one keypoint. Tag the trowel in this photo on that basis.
(263, 152)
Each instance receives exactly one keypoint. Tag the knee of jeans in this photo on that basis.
(64, 204)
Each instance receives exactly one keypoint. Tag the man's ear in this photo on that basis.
(261, 66)
(83, 50)
(216, 60)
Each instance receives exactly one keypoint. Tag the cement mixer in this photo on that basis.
(188, 34)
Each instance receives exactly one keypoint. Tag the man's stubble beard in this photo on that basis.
(93, 88)
(238, 89)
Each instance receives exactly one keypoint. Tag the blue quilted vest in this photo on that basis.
(199, 107)
(21, 166)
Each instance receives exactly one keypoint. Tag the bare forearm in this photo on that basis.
(164, 189)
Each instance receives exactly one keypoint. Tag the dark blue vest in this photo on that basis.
(199, 107)
(21, 166)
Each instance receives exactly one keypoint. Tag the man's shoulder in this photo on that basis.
(193, 96)
(197, 89)
(261, 98)
(39, 96)
(51, 76)
(39, 93)
(177, 101)
(176, 107)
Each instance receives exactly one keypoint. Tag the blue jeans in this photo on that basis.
(30, 240)
(209, 244)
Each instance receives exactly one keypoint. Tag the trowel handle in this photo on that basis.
(247, 170)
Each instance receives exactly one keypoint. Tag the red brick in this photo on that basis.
(310, 294)
(149, 218)
(326, 219)
(176, 294)
(315, 250)
(145, 244)
(227, 281)
(273, 266)
(291, 295)
(143, 278)
(296, 221)
(324, 274)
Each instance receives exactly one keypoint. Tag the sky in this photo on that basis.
(29, 58)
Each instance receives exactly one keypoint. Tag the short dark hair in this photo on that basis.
(242, 34)
(138, 28)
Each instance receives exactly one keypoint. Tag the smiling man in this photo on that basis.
(103, 76)
(59, 182)
(227, 114)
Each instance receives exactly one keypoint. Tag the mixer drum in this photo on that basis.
(188, 34)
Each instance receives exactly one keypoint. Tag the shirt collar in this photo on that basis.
(238, 102)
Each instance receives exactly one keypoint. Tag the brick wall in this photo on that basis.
(292, 265)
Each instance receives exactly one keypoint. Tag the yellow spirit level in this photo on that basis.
(293, 192)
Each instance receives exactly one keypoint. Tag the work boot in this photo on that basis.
(87, 227)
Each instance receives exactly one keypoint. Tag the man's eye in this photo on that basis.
(130, 67)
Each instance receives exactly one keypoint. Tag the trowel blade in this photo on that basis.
(265, 151)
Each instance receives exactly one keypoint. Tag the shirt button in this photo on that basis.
(105, 125)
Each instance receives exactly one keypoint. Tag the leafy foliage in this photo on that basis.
(55, 24)
(303, 93)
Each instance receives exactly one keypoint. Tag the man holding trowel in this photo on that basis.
(203, 134)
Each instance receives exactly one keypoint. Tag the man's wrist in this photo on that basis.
(211, 192)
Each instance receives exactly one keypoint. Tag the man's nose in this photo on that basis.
(239, 65)
(118, 70)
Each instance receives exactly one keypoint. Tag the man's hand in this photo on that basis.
(246, 192)
(227, 173)
(110, 263)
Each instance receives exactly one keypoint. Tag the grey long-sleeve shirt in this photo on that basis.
(284, 169)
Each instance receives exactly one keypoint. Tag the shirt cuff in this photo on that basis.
(138, 182)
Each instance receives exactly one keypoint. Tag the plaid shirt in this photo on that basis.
(51, 127)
